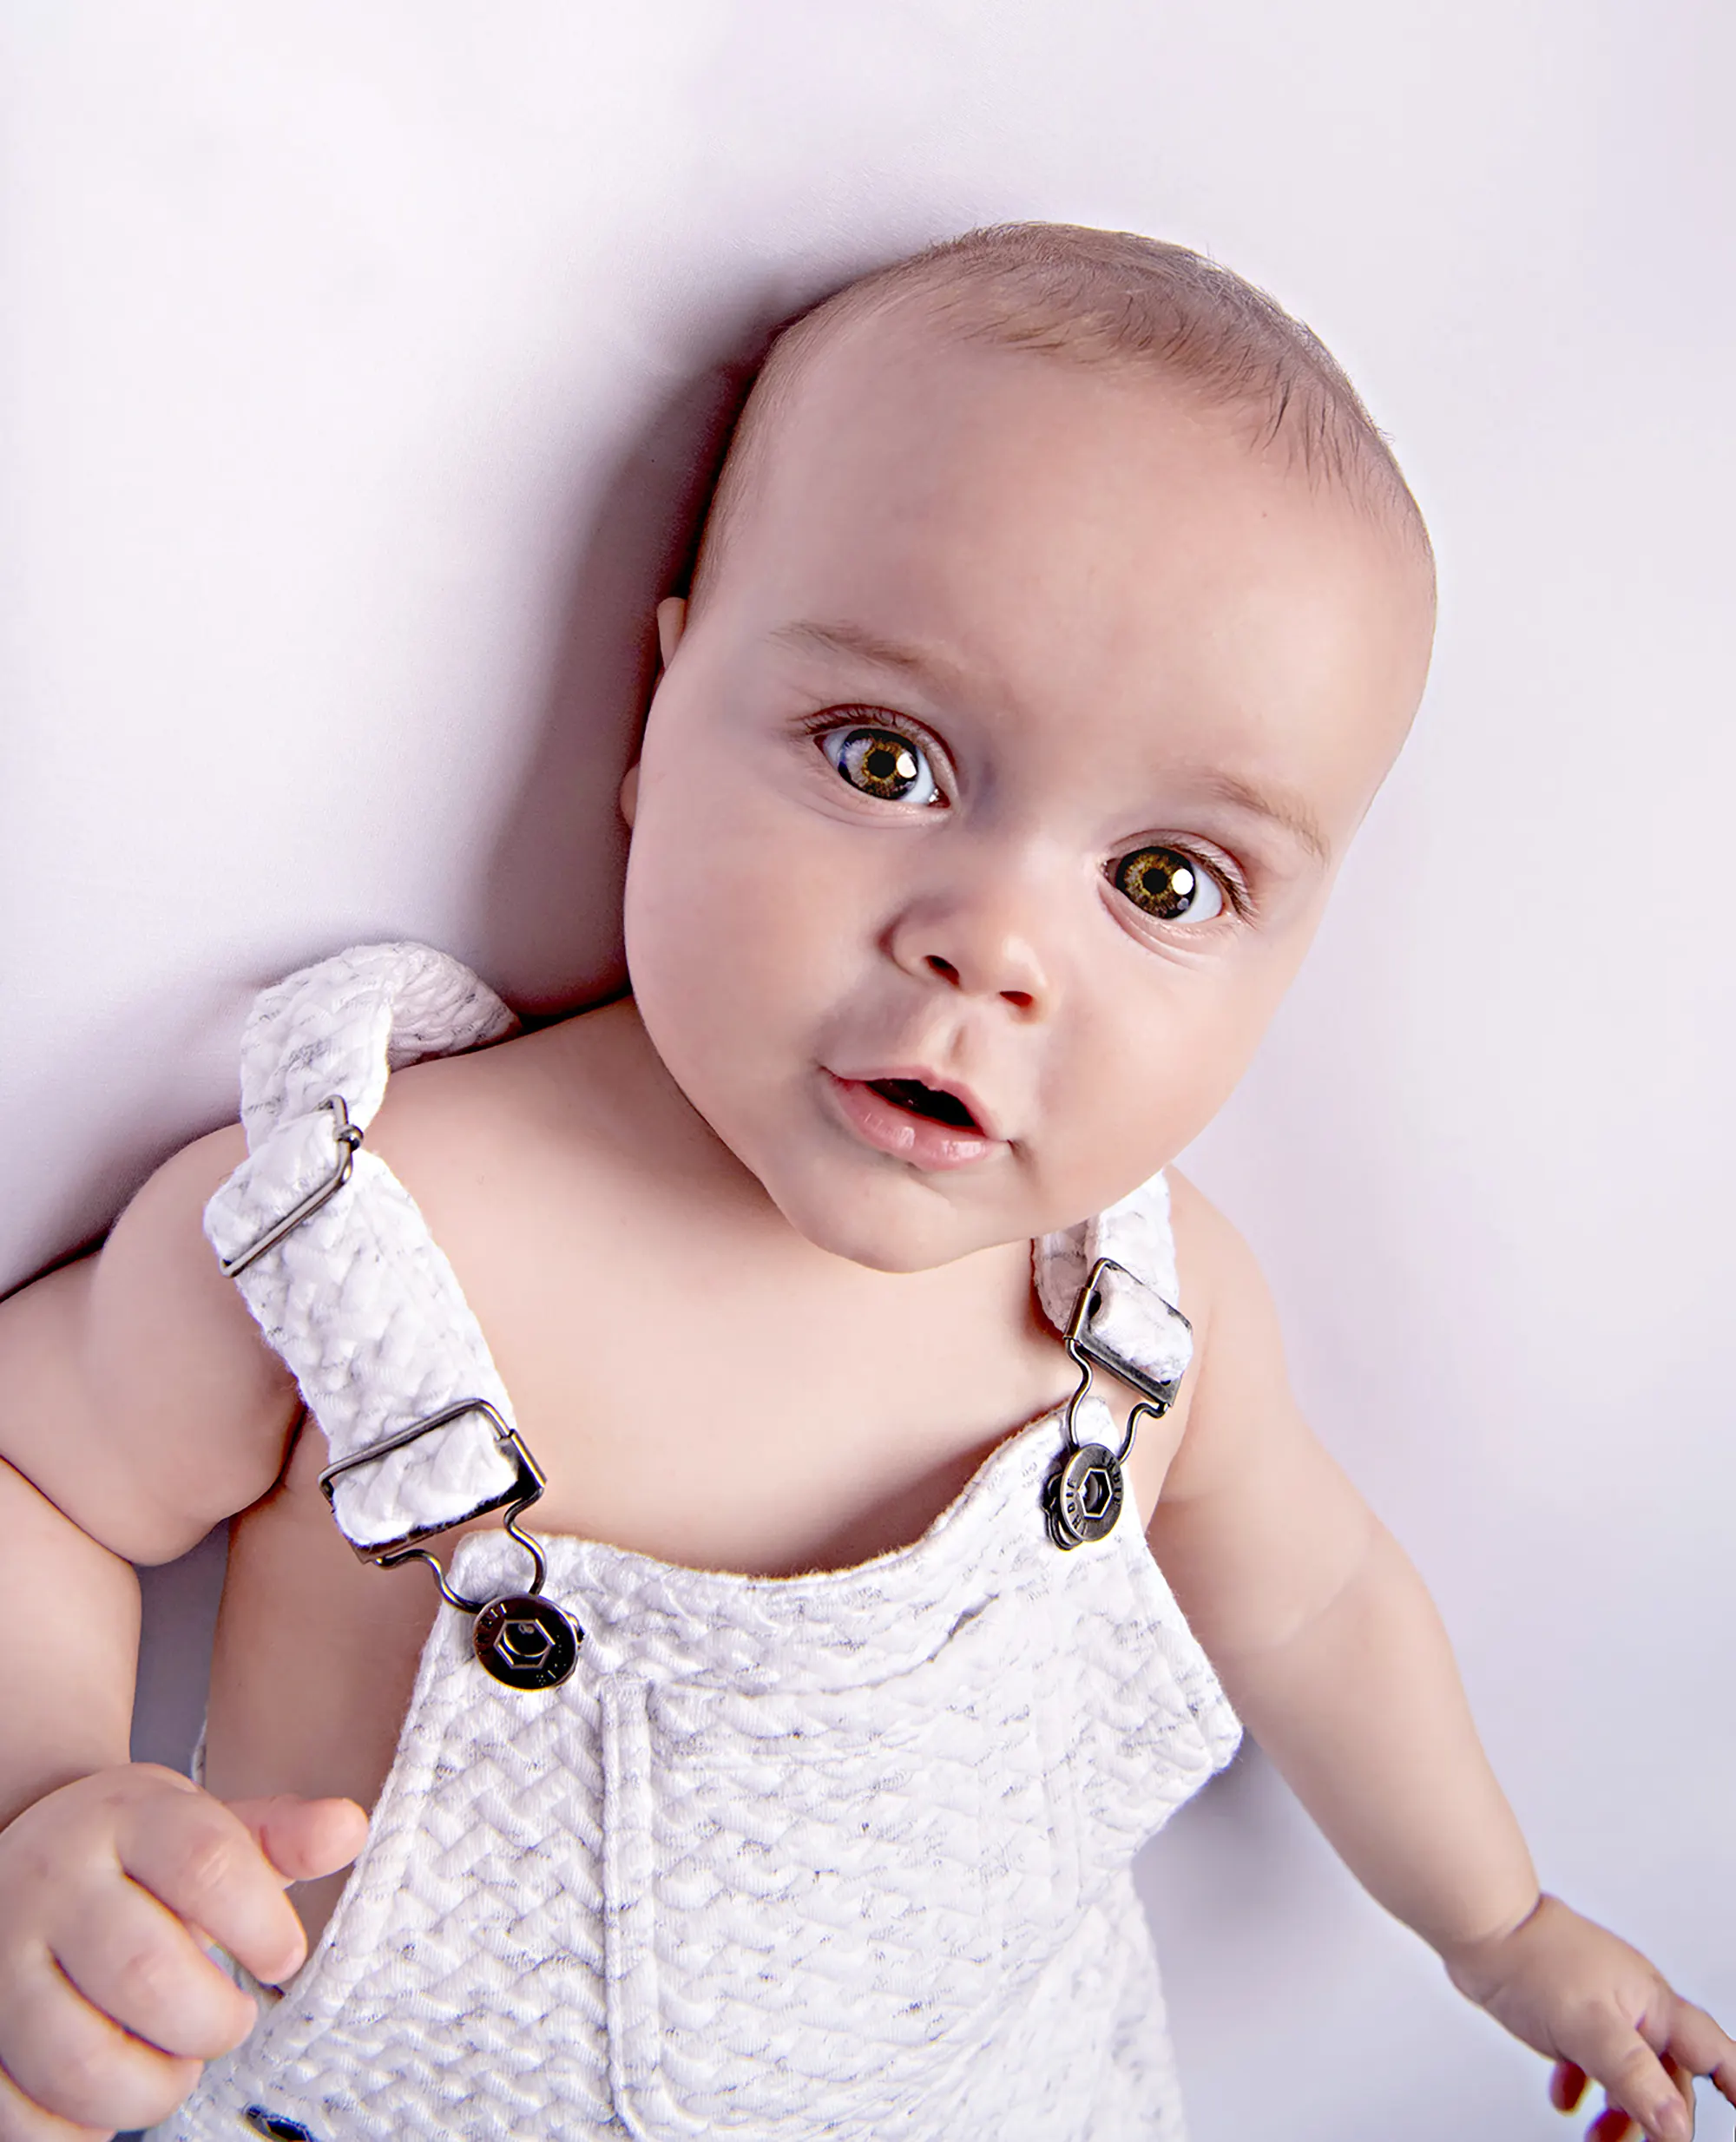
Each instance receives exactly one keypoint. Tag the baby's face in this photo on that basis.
(991, 796)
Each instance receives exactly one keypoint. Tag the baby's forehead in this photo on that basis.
(905, 463)
(902, 447)
(1089, 308)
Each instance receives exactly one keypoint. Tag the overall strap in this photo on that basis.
(1109, 1286)
(1133, 1324)
(335, 1261)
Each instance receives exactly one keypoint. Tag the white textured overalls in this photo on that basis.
(844, 1855)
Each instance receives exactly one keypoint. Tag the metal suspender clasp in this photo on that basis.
(1082, 1497)
(527, 1484)
(522, 1638)
(1109, 1287)
(349, 1136)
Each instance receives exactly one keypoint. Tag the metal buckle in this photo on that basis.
(523, 1491)
(1088, 1346)
(349, 1136)
(1083, 1494)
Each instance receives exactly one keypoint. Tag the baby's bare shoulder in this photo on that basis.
(533, 1163)
(509, 1121)
(1239, 1403)
(1223, 1289)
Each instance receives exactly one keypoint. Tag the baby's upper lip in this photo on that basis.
(942, 1082)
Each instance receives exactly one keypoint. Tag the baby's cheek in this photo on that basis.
(722, 958)
(1151, 1084)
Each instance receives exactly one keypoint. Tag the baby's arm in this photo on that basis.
(1331, 1650)
(137, 1406)
(135, 1391)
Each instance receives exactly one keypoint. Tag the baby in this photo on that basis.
(1059, 613)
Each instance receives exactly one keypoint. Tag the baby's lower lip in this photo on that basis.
(918, 1138)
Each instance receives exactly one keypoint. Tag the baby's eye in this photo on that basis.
(882, 762)
(1166, 882)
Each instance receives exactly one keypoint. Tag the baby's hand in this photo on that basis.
(109, 2004)
(1574, 1991)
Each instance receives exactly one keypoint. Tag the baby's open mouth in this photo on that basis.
(919, 1099)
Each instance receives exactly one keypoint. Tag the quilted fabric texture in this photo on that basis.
(358, 1300)
(1135, 1232)
(844, 1854)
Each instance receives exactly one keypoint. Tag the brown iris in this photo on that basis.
(880, 762)
(1159, 881)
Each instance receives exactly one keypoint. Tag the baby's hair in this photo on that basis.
(1108, 298)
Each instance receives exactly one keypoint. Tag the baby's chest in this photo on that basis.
(717, 1414)
(772, 1435)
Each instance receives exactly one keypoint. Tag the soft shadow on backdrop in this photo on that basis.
(363, 372)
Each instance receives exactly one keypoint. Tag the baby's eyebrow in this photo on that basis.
(863, 646)
(1279, 806)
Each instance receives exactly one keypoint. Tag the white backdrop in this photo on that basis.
(359, 363)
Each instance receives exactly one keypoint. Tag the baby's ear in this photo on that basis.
(672, 618)
(629, 794)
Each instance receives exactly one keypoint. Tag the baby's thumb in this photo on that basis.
(302, 1838)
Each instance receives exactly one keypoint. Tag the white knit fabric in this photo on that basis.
(358, 1300)
(1135, 1233)
(844, 1854)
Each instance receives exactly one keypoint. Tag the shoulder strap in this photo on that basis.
(353, 1291)
(1132, 1323)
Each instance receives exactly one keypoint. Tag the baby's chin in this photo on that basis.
(903, 1227)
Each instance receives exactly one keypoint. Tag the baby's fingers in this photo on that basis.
(135, 1962)
(22, 2120)
(1698, 2045)
(64, 2059)
(1613, 2125)
(1635, 2081)
(304, 1838)
(193, 1855)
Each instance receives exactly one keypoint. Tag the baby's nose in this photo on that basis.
(977, 981)
(985, 947)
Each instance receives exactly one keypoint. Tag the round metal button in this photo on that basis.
(1083, 1495)
(526, 1640)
